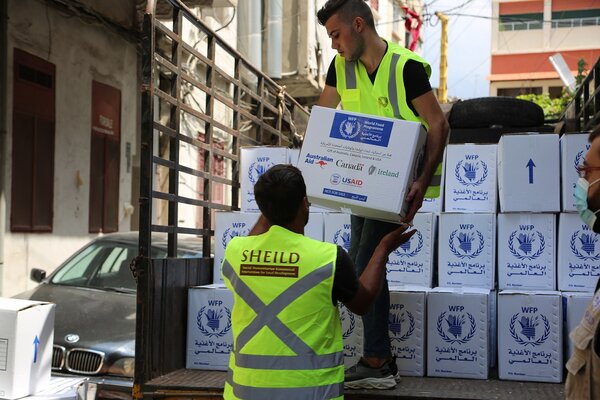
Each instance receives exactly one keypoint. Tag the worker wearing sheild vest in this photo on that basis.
(374, 76)
(386, 96)
(287, 340)
(583, 379)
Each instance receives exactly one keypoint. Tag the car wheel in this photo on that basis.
(495, 111)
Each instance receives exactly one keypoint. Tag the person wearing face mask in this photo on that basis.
(583, 379)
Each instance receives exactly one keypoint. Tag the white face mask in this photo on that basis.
(581, 195)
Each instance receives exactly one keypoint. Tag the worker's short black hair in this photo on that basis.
(347, 10)
(594, 134)
(279, 193)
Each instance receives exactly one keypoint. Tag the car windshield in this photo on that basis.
(105, 265)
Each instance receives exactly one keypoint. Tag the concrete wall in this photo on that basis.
(82, 51)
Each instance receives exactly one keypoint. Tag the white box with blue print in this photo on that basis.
(209, 337)
(460, 332)
(530, 334)
(574, 306)
(227, 226)
(527, 251)
(412, 262)
(578, 255)
(467, 250)
(26, 343)
(255, 161)
(407, 327)
(471, 184)
(572, 153)
(337, 229)
(352, 335)
(360, 164)
(528, 173)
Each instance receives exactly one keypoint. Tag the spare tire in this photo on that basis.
(485, 112)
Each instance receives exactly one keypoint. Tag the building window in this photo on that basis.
(521, 22)
(574, 19)
(555, 92)
(32, 198)
(514, 92)
(105, 158)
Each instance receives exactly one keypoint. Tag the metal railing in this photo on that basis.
(583, 112)
(575, 22)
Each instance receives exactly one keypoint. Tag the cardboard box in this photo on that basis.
(360, 164)
(255, 161)
(467, 250)
(471, 184)
(572, 153)
(436, 205)
(407, 329)
(337, 229)
(209, 337)
(315, 228)
(66, 388)
(459, 334)
(527, 251)
(578, 255)
(352, 334)
(530, 336)
(26, 342)
(574, 306)
(412, 262)
(227, 226)
(528, 173)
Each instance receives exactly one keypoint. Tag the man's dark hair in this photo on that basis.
(279, 193)
(594, 134)
(347, 10)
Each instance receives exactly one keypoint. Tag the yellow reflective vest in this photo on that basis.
(287, 340)
(386, 96)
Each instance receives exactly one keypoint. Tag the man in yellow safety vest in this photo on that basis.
(374, 76)
(287, 339)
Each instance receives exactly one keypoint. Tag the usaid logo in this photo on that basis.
(237, 229)
(409, 248)
(342, 237)
(350, 128)
(456, 326)
(335, 179)
(526, 243)
(348, 322)
(471, 172)
(401, 323)
(466, 243)
(214, 320)
(259, 167)
(583, 245)
(528, 328)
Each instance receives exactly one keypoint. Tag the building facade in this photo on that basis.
(526, 32)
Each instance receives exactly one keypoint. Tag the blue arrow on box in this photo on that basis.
(530, 165)
(36, 342)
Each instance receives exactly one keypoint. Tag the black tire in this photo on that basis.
(485, 112)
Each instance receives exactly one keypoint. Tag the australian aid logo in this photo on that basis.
(472, 171)
(456, 326)
(214, 319)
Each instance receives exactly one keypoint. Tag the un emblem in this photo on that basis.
(210, 322)
(450, 327)
(527, 331)
(583, 245)
(471, 173)
(350, 128)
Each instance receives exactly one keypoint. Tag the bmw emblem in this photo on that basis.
(72, 338)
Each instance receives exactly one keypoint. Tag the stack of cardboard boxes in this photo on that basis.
(473, 288)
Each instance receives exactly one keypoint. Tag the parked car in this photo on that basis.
(94, 292)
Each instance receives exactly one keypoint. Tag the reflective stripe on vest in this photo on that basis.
(299, 393)
(266, 316)
(434, 188)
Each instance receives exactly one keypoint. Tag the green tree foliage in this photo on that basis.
(553, 108)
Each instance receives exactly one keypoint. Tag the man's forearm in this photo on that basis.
(434, 149)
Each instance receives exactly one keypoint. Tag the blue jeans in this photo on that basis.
(365, 236)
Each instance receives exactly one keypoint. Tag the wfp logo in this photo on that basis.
(578, 159)
(526, 244)
(232, 232)
(409, 249)
(259, 167)
(350, 128)
(470, 244)
(348, 322)
(526, 330)
(210, 320)
(401, 325)
(583, 246)
(453, 327)
(342, 238)
(471, 172)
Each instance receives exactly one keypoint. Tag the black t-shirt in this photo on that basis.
(345, 281)
(416, 82)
